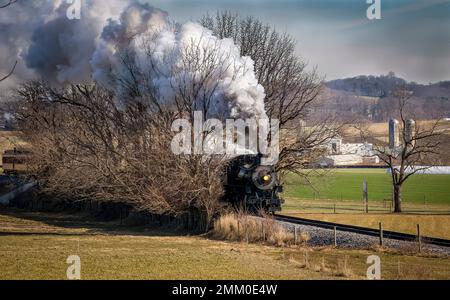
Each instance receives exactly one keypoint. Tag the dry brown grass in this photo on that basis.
(414, 272)
(342, 268)
(242, 227)
(381, 130)
(339, 268)
(111, 251)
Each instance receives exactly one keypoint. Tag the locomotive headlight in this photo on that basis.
(264, 178)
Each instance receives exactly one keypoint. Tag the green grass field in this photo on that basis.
(336, 196)
(346, 184)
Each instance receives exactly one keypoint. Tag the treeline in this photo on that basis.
(370, 97)
(385, 85)
(370, 86)
(85, 147)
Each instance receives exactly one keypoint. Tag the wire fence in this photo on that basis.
(340, 205)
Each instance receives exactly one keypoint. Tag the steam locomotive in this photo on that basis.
(252, 186)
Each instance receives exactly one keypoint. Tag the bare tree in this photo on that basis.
(84, 147)
(8, 3)
(15, 64)
(10, 73)
(417, 150)
(291, 90)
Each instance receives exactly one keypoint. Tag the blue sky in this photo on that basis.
(412, 38)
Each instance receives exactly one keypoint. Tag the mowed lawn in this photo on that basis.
(337, 197)
(346, 184)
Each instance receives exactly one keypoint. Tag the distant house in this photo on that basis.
(348, 154)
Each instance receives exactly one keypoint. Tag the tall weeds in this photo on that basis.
(242, 227)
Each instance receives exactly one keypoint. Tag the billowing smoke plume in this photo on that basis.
(114, 35)
(174, 59)
(46, 43)
(61, 48)
(17, 23)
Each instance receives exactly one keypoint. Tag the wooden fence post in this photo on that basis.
(295, 235)
(419, 238)
(335, 236)
(381, 235)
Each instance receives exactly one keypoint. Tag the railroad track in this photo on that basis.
(363, 230)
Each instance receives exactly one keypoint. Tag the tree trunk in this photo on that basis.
(397, 198)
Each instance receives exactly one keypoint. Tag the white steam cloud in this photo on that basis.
(60, 48)
(49, 45)
(173, 58)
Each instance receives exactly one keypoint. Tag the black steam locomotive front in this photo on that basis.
(251, 185)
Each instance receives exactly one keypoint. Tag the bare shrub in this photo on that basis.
(242, 227)
(279, 236)
(84, 147)
(292, 91)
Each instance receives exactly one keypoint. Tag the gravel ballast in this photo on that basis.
(325, 237)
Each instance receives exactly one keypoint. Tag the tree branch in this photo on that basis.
(8, 4)
(10, 73)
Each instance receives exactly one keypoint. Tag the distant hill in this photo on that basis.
(384, 85)
(370, 86)
(368, 97)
